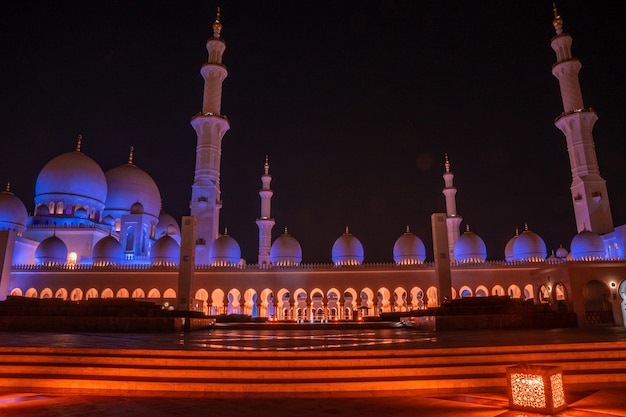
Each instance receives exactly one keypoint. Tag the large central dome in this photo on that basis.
(72, 178)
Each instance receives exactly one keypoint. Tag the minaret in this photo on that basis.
(265, 222)
(453, 220)
(589, 193)
(210, 126)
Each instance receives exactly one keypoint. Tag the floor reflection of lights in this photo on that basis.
(263, 340)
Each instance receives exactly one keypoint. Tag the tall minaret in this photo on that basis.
(589, 193)
(210, 126)
(453, 220)
(265, 222)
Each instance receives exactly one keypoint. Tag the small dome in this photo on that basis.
(137, 208)
(51, 250)
(13, 214)
(165, 251)
(107, 251)
(286, 250)
(347, 250)
(128, 184)
(168, 226)
(588, 246)
(561, 252)
(72, 178)
(409, 249)
(508, 249)
(42, 210)
(108, 219)
(529, 247)
(225, 251)
(470, 248)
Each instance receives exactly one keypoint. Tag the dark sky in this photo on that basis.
(355, 102)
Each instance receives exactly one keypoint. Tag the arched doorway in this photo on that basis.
(597, 304)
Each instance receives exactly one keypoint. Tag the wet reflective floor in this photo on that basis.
(302, 338)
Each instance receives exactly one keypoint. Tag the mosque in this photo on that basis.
(96, 234)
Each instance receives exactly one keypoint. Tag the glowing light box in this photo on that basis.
(536, 388)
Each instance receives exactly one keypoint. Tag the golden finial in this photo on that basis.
(225, 231)
(8, 188)
(447, 164)
(526, 227)
(467, 228)
(557, 22)
(407, 229)
(267, 165)
(80, 139)
(286, 232)
(217, 26)
(130, 155)
(347, 230)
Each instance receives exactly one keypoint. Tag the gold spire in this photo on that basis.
(80, 139)
(130, 155)
(8, 188)
(557, 22)
(447, 164)
(217, 25)
(267, 165)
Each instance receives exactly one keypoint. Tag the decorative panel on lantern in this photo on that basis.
(536, 388)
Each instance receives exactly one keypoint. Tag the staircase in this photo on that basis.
(267, 373)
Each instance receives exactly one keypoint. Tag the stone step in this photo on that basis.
(202, 372)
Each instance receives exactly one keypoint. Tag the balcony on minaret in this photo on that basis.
(578, 198)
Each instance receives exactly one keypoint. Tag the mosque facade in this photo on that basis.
(96, 234)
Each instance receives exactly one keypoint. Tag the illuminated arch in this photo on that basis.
(202, 295)
(16, 292)
(368, 302)
(333, 309)
(300, 297)
(91, 293)
(234, 301)
(61, 293)
(560, 294)
(217, 302)
(138, 293)
(169, 293)
(76, 294)
(514, 291)
(349, 299)
(481, 291)
(46, 293)
(385, 302)
(267, 304)
(433, 296)
(529, 292)
(498, 290)
(466, 291)
(282, 303)
(453, 293)
(31, 293)
(250, 303)
(122, 293)
(417, 298)
(107, 293)
(401, 299)
(154, 293)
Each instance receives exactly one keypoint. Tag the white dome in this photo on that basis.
(13, 214)
(347, 250)
(72, 178)
(286, 250)
(529, 247)
(508, 249)
(51, 250)
(587, 245)
(470, 248)
(561, 252)
(107, 251)
(165, 251)
(409, 249)
(127, 185)
(225, 251)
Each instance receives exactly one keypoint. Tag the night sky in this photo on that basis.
(355, 102)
